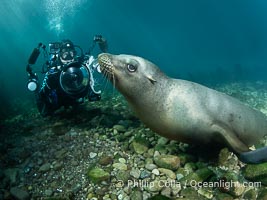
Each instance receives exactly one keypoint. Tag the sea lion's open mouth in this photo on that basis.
(105, 63)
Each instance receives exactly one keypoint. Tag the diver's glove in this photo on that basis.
(102, 43)
(98, 38)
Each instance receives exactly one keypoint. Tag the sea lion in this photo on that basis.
(184, 110)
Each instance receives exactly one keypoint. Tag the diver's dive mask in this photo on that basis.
(67, 55)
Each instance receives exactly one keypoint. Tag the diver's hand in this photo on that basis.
(102, 42)
(98, 38)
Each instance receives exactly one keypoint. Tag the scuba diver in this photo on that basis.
(68, 78)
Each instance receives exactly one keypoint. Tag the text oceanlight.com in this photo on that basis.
(192, 183)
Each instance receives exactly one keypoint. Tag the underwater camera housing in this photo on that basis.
(75, 79)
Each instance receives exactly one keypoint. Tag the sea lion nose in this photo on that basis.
(103, 56)
(104, 60)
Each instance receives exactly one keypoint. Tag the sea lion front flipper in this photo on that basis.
(255, 156)
(234, 142)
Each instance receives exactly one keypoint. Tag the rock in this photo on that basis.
(45, 167)
(197, 176)
(60, 154)
(262, 194)
(76, 188)
(151, 152)
(156, 172)
(120, 166)
(190, 167)
(139, 148)
(144, 174)
(161, 148)
(156, 153)
(154, 186)
(166, 192)
(97, 175)
(256, 172)
(168, 173)
(223, 196)
(2, 175)
(106, 160)
(150, 167)
(149, 161)
(128, 134)
(12, 175)
(206, 193)
(136, 195)
(122, 160)
(123, 176)
(185, 158)
(250, 194)
(59, 128)
(120, 128)
(237, 190)
(159, 197)
(179, 176)
(167, 161)
(191, 193)
(48, 193)
(19, 194)
(162, 141)
(92, 155)
(135, 173)
(176, 188)
(74, 163)
(227, 159)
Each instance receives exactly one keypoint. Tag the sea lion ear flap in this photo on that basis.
(151, 79)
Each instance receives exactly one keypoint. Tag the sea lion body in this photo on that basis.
(183, 110)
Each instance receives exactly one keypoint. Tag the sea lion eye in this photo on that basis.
(131, 68)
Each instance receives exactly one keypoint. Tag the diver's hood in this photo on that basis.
(75, 79)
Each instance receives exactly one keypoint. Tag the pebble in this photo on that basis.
(58, 166)
(176, 188)
(168, 173)
(179, 176)
(119, 128)
(135, 173)
(206, 193)
(128, 133)
(167, 161)
(106, 160)
(156, 172)
(12, 175)
(151, 152)
(136, 195)
(139, 148)
(122, 160)
(48, 193)
(162, 141)
(19, 194)
(166, 192)
(155, 186)
(120, 166)
(92, 155)
(156, 153)
(144, 174)
(150, 166)
(45, 167)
